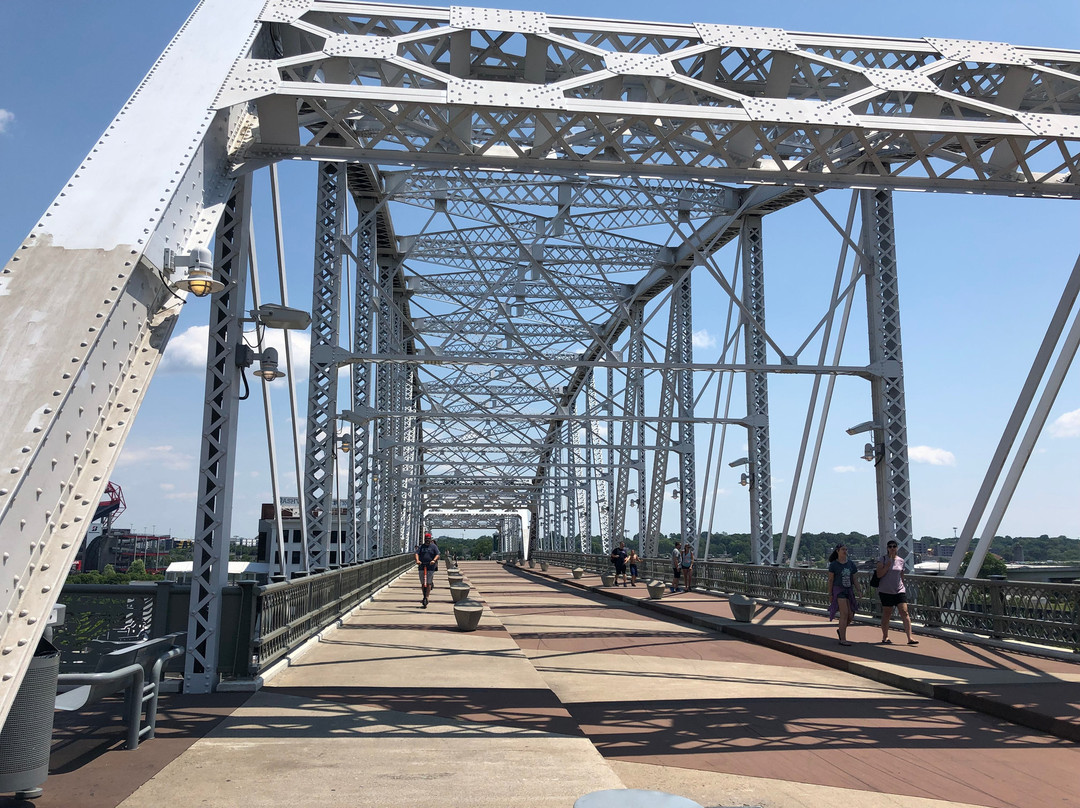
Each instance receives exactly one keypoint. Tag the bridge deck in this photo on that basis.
(563, 691)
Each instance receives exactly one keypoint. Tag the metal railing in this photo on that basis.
(287, 614)
(1038, 613)
(259, 624)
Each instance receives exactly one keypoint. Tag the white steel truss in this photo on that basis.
(563, 187)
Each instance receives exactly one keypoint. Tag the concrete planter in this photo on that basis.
(467, 614)
(578, 572)
(455, 578)
(742, 608)
(459, 591)
(607, 578)
(656, 589)
(532, 564)
(543, 566)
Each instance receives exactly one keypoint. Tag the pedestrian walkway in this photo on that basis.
(564, 690)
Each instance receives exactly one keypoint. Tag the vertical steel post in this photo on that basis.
(757, 392)
(684, 326)
(213, 519)
(886, 362)
(359, 478)
(320, 452)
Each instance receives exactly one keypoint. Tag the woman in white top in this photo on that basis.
(686, 562)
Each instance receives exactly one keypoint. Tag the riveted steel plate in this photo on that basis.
(369, 47)
(287, 11)
(503, 94)
(973, 50)
(785, 110)
(639, 64)
(745, 36)
(1050, 125)
(248, 79)
(902, 81)
(493, 19)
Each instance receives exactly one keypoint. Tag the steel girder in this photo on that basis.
(322, 409)
(890, 447)
(757, 393)
(406, 86)
(213, 516)
(503, 118)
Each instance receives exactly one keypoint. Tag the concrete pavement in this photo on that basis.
(564, 690)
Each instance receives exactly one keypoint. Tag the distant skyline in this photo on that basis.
(979, 276)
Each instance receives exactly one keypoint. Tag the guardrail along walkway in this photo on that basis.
(563, 691)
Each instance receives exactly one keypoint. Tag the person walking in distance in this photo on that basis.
(842, 590)
(633, 562)
(618, 559)
(676, 567)
(426, 555)
(892, 592)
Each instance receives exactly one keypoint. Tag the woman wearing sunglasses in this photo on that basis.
(892, 592)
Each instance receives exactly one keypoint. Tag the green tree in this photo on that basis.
(992, 564)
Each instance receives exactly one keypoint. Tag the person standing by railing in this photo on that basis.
(892, 592)
(686, 562)
(676, 567)
(633, 562)
(842, 590)
(427, 557)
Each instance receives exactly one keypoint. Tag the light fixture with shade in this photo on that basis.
(268, 365)
(199, 278)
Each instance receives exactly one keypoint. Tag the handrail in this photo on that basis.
(1039, 613)
(288, 613)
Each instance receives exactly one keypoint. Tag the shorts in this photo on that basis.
(892, 600)
(620, 569)
(633, 570)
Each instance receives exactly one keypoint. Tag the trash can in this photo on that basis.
(26, 738)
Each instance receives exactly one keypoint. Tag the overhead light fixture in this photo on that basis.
(744, 479)
(268, 365)
(873, 452)
(272, 315)
(865, 426)
(199, 278)
(742, 461)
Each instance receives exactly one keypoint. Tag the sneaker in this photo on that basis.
(425, 603)
(633, 584)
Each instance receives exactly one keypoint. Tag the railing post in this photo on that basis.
(243, 663)
(997, 606)
(159, 625)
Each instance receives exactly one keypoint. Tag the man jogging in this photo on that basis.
(426, 555)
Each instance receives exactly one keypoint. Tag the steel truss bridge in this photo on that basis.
(514, 214)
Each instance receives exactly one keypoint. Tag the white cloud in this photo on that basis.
(1067, 426)
(931, 456)
(844, 469)
(182, 495)
(166, 486)
(187, 351)
(703, 339)
(165, 457)
(6, 117)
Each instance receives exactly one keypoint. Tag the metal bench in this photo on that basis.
(135, 669)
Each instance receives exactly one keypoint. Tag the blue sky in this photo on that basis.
(979, 276)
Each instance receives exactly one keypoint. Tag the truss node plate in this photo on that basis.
(745, 36)
(364, 47)
(248, 79)
(902, 81)
(639, 64)
(1050, 125)
(785, 110)
(287, 11)
(521, 22)
(973, 50)
(503, 94)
